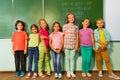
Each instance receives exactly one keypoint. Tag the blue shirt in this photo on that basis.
(97, 37)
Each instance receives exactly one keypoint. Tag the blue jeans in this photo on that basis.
(86, 52)
(33, 53)
(56, 62)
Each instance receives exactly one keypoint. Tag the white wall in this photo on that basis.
(6, 57)
(112, 18)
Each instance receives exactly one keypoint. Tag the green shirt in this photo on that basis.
(33, 40)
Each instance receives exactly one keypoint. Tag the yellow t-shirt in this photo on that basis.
(102, 37)
(33, 40)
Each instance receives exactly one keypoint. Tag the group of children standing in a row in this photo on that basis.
(70, 40)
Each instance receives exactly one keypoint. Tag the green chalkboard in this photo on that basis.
(56, 10)
(5, 18)
(30, 11)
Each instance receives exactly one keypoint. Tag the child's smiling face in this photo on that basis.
(99, 23)
(71, 18)
(43, 24)
(34, 30)
(19, 26)
(56, 27)
(86, 23)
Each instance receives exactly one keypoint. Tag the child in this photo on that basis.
(102, 39)
(19, 46)
(33, 51)
(86, 44)
(70, 32)
(56, 44)
(43, 51)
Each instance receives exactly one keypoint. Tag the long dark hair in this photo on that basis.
(60, 28)
(81, 25)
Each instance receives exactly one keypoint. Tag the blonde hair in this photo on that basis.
(67, 17)
(100, 19)
(47, 27)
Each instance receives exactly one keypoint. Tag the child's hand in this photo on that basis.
(13, 52)
(62, 49)
(25, 51)
(103, 46)
(41, 37)
(45, 51)
(58, 51)
(94, 49)
(76, 48)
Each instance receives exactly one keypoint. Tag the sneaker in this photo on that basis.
(112, 75)
(100, 74)
(89, 75)
(83, 75)
(28, 75)
(60, 76)
(22, 73)
(56, 75)
(34, 75)
(73, 75)
(17, 73)
(68, 75)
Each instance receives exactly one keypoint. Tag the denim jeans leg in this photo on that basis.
(58, 64)
(35, 60)
(30, 57)
(54, 61)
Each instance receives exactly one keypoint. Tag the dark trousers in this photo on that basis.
(20, 63)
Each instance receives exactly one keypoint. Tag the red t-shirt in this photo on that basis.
(19, 40)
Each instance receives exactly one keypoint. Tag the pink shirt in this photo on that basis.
(44, 33)
(85, 37)
(56, 39)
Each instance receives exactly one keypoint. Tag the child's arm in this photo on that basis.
(61, 45)
(63, 37)
(42, 40)
(12, 40)
(25, 51)
(43, 37)
(93, 44)
(13, 52)
(26, 38)
(77, 38)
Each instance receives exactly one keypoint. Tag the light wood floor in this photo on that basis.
(10, 76)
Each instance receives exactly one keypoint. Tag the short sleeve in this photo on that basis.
(26, 36)
(91, 30)
(13, 37)
(64, 27)
(40, 32)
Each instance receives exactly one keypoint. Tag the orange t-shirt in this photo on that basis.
(19, 40)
